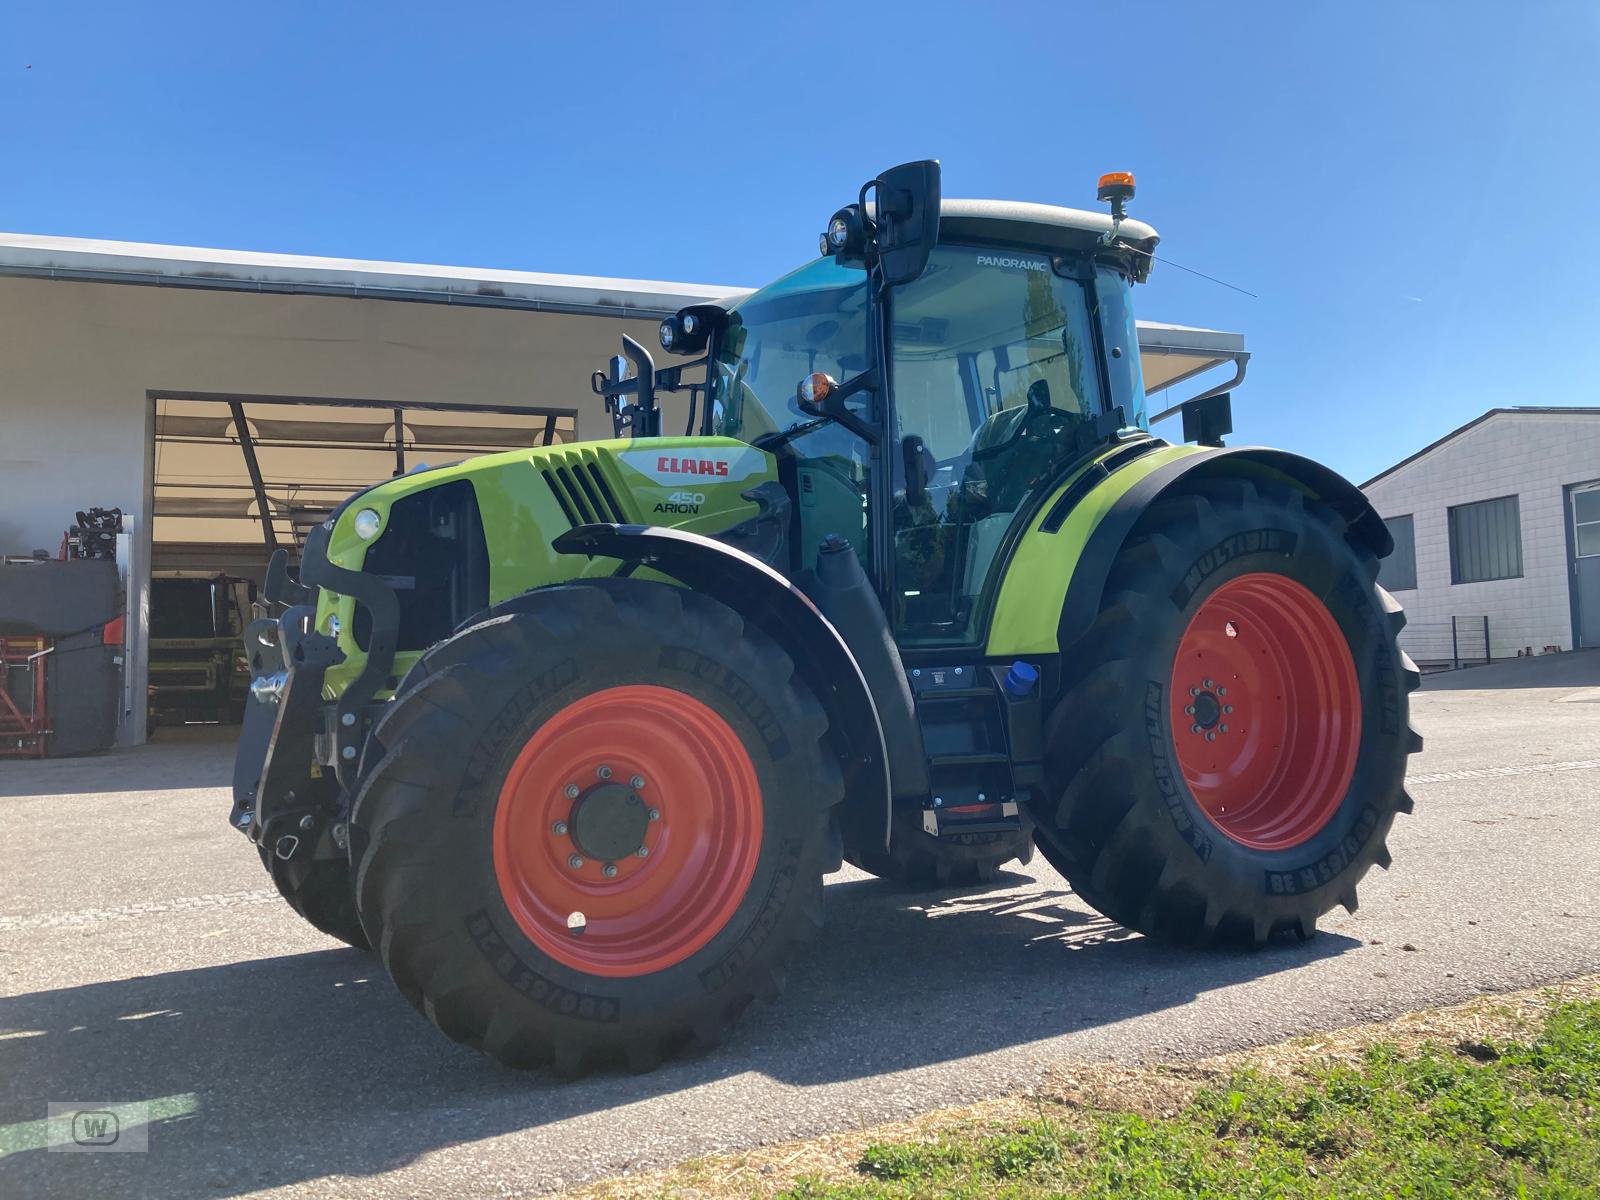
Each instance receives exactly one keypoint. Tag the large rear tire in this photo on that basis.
(1230, 749)
(509, 791)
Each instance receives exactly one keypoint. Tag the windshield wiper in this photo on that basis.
(774, 441)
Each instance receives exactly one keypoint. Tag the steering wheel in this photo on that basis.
(1018, 423)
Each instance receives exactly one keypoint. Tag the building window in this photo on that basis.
(1586, 521)
(1486, 541)
(1398, 572)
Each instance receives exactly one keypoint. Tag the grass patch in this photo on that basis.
(1467, 1118)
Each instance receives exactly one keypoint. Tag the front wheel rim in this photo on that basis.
(1266, 711)
(627, 831)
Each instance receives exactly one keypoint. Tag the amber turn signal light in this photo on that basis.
(814, 389)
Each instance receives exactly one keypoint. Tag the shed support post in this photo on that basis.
(247, 444)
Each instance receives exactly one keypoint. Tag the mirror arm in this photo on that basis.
(833, 407)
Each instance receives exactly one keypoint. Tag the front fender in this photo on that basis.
(780, 610)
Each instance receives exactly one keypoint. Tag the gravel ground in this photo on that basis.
(144, 957)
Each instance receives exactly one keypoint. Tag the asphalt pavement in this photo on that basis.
(145, 958)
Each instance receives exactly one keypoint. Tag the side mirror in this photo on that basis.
(908, 219)
(1207, 418)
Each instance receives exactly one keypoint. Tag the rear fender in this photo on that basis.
(780, 610)
(1363, 525)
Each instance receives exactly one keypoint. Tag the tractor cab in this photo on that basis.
(928, 379)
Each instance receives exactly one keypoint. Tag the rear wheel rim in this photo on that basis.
(628, 830)
(1266, 711)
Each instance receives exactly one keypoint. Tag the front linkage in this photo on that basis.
(298, 756)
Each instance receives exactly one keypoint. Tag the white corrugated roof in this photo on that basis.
(193, 266)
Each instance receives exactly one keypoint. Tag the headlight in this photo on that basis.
(669, 334)
(838, 232)
(367, 524)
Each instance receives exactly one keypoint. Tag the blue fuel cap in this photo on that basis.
(1022, 678)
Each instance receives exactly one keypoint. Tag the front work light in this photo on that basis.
(367, 524)
(846, 234)
(688, 330)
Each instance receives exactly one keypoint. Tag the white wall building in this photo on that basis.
(1497, 521)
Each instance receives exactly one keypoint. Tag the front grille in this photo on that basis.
(432, 552)
(580, 488)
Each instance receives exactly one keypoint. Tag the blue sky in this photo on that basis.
(1409, 188)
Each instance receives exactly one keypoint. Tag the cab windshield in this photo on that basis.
(813, 319)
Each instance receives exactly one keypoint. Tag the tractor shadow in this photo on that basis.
(306, 1066)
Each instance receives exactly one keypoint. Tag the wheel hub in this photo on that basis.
(627, 830)
(609, 822)
(1266, 711)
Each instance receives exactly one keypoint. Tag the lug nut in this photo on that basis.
(1211, 736)
(571, 791)
(643, 852)
(604, 772)
(575, 861)
(307, 821)
(609, 870)
(348, 753)
(1227, 708)
(559, 829)
(636, 782)
(1188, 710)
(1224, 728)
(1194, 729)
(655, 814)
(1194, 691)
(347, 720)
(1208, 685)
(1222, 691)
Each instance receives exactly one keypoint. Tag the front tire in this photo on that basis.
(1230, 749)
(509, 790)
(319, 889)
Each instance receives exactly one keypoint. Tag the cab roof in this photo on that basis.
(1044, 227)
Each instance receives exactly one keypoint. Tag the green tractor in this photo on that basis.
(571, 735)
